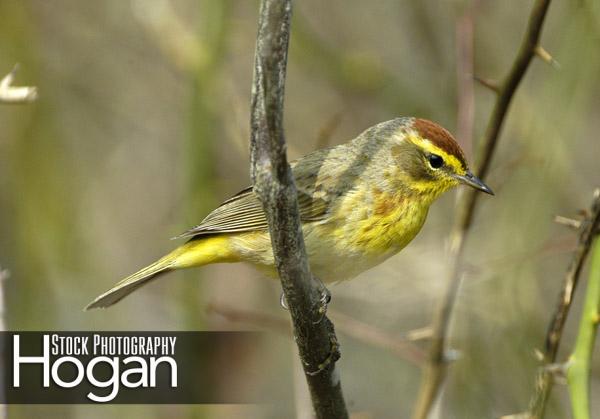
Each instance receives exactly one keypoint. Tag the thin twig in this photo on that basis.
(435, 371)
(401, 347)
(546, 57)
(421, 333)
(250, 317)
(13, 94)
(566, 221)
(274, 185)
(488, 83)
(545, 378)
(580, 361)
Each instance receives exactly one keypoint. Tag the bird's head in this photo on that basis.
(432, 160)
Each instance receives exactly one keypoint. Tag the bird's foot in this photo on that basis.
(323, 302)
(334, 355)
(321, 305)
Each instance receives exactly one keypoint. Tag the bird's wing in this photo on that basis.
(244, 211)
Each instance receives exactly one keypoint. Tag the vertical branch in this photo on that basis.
(435, 371)
(580, 362)
(544, 380)
(274, 185)
(464, 81)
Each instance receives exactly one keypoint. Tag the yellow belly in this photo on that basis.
(353, 240)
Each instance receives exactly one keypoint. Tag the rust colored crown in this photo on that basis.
(440, 137)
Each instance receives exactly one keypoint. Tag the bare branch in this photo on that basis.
(435, 371)
(399, 346)
(545, 378)
(13, 94)
(254, 318)
(569, 222)
(420, 334)
(274, 185)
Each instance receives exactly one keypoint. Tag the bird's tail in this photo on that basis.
(196, 252)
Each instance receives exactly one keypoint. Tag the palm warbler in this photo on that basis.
(360, 203)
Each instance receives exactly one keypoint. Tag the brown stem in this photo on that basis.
(436, 368)
(464, 81)
(274, 185)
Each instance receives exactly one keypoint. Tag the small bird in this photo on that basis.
(360, 203)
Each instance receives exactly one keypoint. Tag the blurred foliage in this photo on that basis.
(142, 127)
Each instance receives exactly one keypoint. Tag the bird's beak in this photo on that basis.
(473, 181)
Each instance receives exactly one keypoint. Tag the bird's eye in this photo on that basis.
(435, 161)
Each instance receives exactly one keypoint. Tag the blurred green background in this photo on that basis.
(142, 127)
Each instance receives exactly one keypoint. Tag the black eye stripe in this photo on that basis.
(435, 161)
